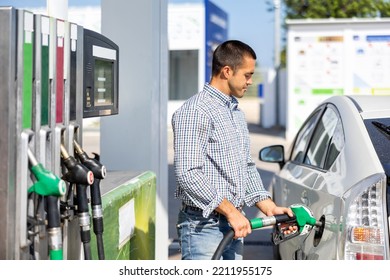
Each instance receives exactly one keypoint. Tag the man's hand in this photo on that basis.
(269, 208)
(239, 223)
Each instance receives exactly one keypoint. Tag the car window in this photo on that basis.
(336, 144)
(327, 140)
(303, 137)
(379, 131)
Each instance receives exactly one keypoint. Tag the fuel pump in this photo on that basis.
(51, 187)
(303, 221)
(79, 175)
(99, 172)
(53, 74)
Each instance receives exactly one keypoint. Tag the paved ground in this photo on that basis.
(257, 245)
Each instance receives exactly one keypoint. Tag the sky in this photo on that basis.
(248, 21)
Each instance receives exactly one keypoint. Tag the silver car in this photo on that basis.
(339, 167)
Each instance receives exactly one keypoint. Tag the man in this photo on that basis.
(215, 173)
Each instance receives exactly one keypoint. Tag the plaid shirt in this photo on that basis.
(212, 153)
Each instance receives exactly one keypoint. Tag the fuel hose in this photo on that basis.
(99, 172)
(256, 223)
(81, 176)
(51, 188)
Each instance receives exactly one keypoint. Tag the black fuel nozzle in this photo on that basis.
(82, 177)
(77, 173)
(99, 172)
(282, 231)
(93, 164)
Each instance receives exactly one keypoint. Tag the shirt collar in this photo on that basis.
(230, 101)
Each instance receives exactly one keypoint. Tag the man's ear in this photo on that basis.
(226, 72)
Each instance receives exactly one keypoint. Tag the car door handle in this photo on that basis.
(304, 198)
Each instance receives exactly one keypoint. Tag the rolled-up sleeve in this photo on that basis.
(255, 190)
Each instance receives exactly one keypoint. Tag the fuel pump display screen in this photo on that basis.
(103, 83)
(101, 57)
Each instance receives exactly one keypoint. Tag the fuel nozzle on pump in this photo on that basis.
(82, 177)
(99, 172)
(303, 221)
(51, 187)
(47, 183)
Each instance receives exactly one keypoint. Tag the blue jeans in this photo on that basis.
(199, 237)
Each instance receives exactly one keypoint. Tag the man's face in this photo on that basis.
(242, 78)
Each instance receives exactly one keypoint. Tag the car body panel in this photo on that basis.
(301, 185)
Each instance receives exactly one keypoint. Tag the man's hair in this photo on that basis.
(230, 53)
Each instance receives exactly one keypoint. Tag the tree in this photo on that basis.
(300, 9)
(316, 9)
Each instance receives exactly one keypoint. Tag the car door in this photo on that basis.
(324, 197)
(292, 183)
(304, 178)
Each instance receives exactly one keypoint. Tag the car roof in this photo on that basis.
(369, 106)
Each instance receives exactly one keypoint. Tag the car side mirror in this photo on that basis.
(273, 153)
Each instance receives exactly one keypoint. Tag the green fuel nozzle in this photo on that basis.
(302, 217)
(286, 227)
(51, 187)
(47, 183)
